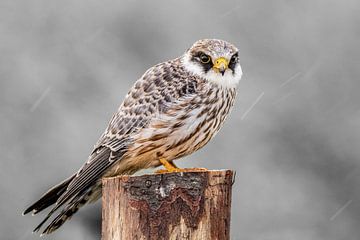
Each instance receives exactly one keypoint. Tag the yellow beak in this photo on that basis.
(220, 65)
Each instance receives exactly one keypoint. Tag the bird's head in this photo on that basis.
(214, 60)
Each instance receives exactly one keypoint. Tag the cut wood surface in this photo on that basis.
(185, 205)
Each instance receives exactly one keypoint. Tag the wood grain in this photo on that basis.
(187, 205)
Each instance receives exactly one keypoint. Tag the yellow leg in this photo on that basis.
(171, 167)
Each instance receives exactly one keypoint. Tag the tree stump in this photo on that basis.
(185, 205)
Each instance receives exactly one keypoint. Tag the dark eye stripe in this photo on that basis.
(233, 61)
(206, 65)
(234, 57)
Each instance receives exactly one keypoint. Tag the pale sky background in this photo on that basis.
(293, 136)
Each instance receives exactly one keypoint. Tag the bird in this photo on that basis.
(172, 110)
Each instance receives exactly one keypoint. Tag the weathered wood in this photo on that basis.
(187, 205)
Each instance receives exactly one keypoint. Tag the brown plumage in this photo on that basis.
(174, 109)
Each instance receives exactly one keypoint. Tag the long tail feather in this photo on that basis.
(71, 208)
(50, 197)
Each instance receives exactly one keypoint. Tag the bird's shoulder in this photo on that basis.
(161, 87)
(167, 79)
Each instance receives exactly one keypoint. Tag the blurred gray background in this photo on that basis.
(293, 136)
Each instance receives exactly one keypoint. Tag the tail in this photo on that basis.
(81, 188)
(50, 197)
(69, 210)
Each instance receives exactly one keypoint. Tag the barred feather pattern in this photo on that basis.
(176, 114)
(170, 112)
(185, 127)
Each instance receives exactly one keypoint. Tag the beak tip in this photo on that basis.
(220, 65)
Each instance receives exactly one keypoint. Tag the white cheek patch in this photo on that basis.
(192, 67)
(228, 80)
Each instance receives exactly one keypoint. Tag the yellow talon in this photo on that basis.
(171, 167)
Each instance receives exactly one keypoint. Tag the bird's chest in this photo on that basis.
(186, 130)
(200, 125)
(216, 111)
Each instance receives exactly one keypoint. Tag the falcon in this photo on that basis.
(174, 109)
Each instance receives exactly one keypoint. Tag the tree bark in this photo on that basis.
(185, 205)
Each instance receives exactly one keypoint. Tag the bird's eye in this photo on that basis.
(204, 58)
(234, 58)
